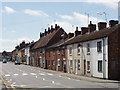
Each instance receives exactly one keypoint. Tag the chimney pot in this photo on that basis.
(77, 32)
(90, 22)
(48, 30)
(76, 28)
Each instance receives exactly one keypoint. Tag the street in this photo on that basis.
(24, 76)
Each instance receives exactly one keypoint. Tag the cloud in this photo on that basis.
(112, 3)
(65, 17)
(35, 12)
(76, 19)
(12, 43)
(9, 10)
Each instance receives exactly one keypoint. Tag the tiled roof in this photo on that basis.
(56, 44)
(94, 35)
(45, 40)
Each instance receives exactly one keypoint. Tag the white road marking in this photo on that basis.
(43, 78)
(53, 82)
(32, 73)
(60, 76)
(7, 75)
(13, 83)
(42, 74)
(24, 74)
(50, 74)
(68, 78)
(15, 74)
(10, 80)
(36, 76)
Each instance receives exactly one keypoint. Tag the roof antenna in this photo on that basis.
(105, 16)
(87, 16)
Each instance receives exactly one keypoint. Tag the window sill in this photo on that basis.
(88, 53)
(88, 71)
(99, 51)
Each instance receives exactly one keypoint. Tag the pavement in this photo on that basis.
(25, 76)
(78, 77)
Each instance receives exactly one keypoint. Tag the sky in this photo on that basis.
(25, 20)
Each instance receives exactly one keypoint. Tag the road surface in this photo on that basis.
(24, 76)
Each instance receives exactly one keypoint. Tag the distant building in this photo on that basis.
(0, 56)
(7, 55)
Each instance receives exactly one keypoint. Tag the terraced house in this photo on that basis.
(95, 52)
(38, 52)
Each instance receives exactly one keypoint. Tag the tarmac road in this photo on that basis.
(24, 76)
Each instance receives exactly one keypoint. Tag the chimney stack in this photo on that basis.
(40, 34)
(70, 35)
(92, 27)
(84, 30)
(102, 25)
(77, 32)
(51, 28)
(45, 32)
(113, 23)
(48, 30)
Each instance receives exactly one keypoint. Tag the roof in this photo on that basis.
(93, 35)
(45, 40)
(57, 44)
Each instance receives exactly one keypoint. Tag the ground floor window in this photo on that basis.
(100, 66)
(71, 63)
(78, 64)
(58, 62)
(88, 66)
(53, 62)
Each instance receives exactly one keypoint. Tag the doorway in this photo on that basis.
(84, 67)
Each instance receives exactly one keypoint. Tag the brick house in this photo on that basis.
(48, 38)
(56, 56)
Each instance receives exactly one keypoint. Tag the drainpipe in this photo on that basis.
(104, 59)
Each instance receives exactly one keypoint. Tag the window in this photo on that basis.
(113, 65)
(70, 50)
(88, 48)
(71, 63)
(78, 64)
(99, 46)
(78, 49)
(58, 62)
(48, 62)
(53, 62)
(88, 65)
(99, 66)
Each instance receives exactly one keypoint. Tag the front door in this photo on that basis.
(84, 67)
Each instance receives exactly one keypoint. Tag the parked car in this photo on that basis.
(17, 62)
(4, 61)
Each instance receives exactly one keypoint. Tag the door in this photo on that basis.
(84, 67)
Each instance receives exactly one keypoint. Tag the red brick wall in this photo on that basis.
(114, 55)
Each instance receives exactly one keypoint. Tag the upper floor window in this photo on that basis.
(99, 46)
(70, 51)
(88, 48)
(78, 49)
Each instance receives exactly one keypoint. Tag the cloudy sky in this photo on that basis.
(25, 20)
